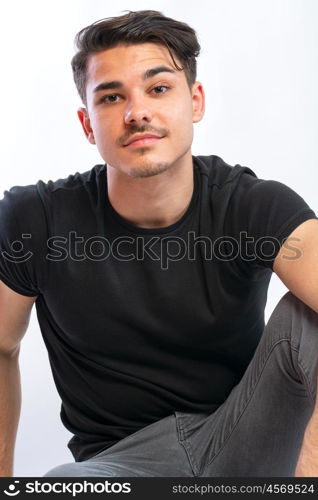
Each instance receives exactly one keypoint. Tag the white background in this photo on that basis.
(259, 66)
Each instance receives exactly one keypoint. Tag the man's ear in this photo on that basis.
(198, 102)
(86, 124)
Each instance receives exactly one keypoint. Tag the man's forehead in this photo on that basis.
(128, 58)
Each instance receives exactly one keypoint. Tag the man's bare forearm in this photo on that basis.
(10, 404)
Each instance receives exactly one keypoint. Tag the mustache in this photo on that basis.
(136, 129)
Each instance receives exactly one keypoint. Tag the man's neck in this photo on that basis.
(152, 202)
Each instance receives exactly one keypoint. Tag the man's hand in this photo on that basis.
(307, 465)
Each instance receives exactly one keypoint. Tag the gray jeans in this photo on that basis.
(256, 432)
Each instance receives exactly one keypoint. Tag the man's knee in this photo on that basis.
(292, 319)
(288, 301)
(291, 309)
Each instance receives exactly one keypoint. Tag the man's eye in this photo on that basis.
(110, 98)
(160, 89)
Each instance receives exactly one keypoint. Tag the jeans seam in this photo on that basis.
(306, 379)
(246, 404)
(184, 443)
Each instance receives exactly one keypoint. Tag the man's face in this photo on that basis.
(140, 109)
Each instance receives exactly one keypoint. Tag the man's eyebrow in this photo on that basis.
(116, 84)
(154, 71)
(108, 86)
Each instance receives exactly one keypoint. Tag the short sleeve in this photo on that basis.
(271, 211)
(22, 240)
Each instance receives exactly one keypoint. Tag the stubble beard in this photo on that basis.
(149, 169)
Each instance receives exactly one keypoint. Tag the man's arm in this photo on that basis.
(298, 268)
(15, 312)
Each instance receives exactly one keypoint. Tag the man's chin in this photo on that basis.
(148, 170)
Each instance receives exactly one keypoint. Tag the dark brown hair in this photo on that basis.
(134, 28)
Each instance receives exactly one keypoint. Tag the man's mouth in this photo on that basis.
(142, 140)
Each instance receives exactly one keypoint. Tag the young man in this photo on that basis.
(150, 275)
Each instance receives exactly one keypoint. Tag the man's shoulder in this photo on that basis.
(36, 204)
(220, 173)
(73, 181)
(20, 200)
(29, 194)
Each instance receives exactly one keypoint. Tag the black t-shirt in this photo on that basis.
(139, 323)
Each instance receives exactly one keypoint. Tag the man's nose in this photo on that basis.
(137, 112)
